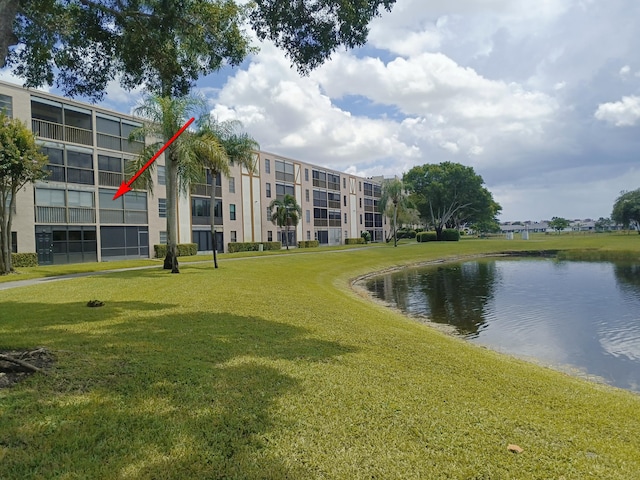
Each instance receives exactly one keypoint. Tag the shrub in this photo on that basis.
(308, 244)
(24, 259)
(354, 241)
(427, 237)
(183, 250)
(366, 236)
(252, 246)
(450, 235)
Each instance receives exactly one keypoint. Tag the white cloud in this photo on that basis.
(622, 114)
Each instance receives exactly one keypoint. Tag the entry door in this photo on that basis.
(44, 247)
(143, 243)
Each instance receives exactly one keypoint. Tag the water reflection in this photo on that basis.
(580, 314)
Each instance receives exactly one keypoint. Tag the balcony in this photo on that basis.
(65, 133)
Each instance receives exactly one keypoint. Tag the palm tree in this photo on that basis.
(166, 115)
(235, 147)
(285, 212)
(393, 196)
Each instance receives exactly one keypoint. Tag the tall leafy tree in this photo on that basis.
(393, 196)
(165, 44)
(559, 224)
(626, 209)
(285, 213)
(449, 195)
(235, 147)
(21, 162)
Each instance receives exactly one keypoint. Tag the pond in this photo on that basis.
(567, 314)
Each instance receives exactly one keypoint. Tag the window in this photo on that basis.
(284, 171)
(163, 238)
(308, 235)
(268, 190)
(107, 163)
(345, 200)
(267, 165)
(162, 179)
(162, 207)
(73, 165)
(360, 203)
(200, 207)
(232, 211)
(306, 195)
(368, 189)
(6, 104)
(319, 198)
(306, 174)
(344, 183)
(269, 236)
(360, 186)
(49, 197)
(232, 185)
(333, 181)
(80, 199)
(345, 218)
(360, 219)
(14, 242)
(234, 236)
(308, 216)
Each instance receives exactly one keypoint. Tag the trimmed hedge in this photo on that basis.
(184, 250)
(426, 237)
(450, 235)
(308, 244)
(24, 259)
(252, 246)
(354, 241)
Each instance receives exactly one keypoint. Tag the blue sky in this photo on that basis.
(540, 97)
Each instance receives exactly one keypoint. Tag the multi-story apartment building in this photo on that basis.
(72, 217)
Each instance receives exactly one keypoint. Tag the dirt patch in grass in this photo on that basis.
(16, 365)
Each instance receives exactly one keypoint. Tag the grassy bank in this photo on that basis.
(272, 367)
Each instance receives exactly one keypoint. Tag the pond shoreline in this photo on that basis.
(357, 285)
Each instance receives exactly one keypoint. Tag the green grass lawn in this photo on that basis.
(271, 367)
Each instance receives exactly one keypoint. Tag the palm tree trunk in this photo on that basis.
(395, 224)
(171, 260)
(212, 210)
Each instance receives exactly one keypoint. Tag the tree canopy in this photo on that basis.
(449, 195)
(80, 45)
(21, 162)
(559, 223)
(626, 209)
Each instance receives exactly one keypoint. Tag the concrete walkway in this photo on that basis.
(38, 281)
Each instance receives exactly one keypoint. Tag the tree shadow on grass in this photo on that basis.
(160, 396)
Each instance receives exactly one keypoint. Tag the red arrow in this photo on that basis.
(126, 186)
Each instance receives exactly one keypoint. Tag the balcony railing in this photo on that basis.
(65, 215)
(320, 222)
(81, 215)
(110, 179)
(51, 215)
(57, 131)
